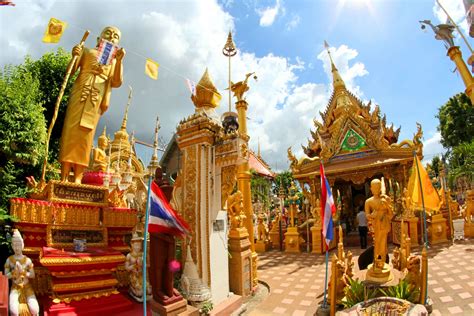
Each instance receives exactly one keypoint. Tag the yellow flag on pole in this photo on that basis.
(431, 197)
(151, 69)
(54, 31)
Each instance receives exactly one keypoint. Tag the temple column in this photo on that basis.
(243, 183)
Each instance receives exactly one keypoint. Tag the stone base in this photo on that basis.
(468, 230)
(262, 246)
(228, 306)
(292, 240)
(190, 311)
(378, 275)
(173, 309)
(274, 238)
(437, 229)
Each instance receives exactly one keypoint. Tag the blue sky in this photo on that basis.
(378, 46)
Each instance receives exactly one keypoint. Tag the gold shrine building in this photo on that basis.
(355, 145)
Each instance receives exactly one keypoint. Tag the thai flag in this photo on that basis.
(163, 219)
(106, 52)
(328, 208)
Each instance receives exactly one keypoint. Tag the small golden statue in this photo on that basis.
(379, 213)
(413, 273)
(235, 207)
(134, 265)
(89, 99)
(99, 155)
(241, 87)
(262, 234)
(19, 268)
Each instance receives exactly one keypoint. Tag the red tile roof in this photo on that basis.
(260, 166)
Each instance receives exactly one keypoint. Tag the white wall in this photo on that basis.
(219, 261)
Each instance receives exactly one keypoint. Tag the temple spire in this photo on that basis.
(258, 153)
(125, 116)
(337, 81)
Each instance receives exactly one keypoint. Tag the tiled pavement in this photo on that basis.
(296, 281)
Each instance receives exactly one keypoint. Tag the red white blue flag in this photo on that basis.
(106, 52)
(328, 208)
(163, 219)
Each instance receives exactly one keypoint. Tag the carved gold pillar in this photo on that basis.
(243, 183)
(455, 54)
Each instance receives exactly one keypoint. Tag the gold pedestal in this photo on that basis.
(468, 230)
(413, 230)
(240, 262)
(274, 239)
(379, 275)
(292, 240)
(437, 229)
(316, 237)
(173, 309)
(262, 246)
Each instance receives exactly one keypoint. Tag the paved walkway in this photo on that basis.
(297, 280)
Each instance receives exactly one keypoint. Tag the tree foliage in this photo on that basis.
(28, 93)
(461, 163)
(284, 177)
(456, 121)
(260, 187)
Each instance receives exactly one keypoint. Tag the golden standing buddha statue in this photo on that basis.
(379, 214)
(89, 99)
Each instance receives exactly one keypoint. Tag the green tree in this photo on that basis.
(284, 177)
(456, 121)
(461, 163)
(260, 188)
(50, 70)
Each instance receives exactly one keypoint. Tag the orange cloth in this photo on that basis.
(431, 197)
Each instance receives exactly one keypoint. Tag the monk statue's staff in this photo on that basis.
(56, 107)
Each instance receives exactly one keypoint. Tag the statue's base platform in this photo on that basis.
(173, 309)
(318, 243)
(274, 238)
(81, 275)
(292, 240)
(262, 246)
(105, 305)
(437, 227)
(468, 230)
(228, 306)
(377, 275)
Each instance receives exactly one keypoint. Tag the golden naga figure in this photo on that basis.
(379, 212)
(99, 155)
(19, 268)
(235, 207)
(89, 99)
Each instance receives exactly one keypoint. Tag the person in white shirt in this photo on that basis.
(363, 229)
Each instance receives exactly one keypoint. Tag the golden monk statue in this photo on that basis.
(19, 268)
(379, 213)
(99, 155)
(89, 99)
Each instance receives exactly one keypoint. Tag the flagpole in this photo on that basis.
(425, 246)
(145, 235)
(425, 233)
(326, 278)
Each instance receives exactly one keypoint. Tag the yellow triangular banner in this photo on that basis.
(151, 69)
(431, 197)
(54, 31)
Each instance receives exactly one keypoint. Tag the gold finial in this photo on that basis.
(206, 93)
(337, 81)
(229, 50)
(125, 117)
(258, 153)
(103, 137)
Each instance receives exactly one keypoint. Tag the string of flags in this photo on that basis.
(107, 50)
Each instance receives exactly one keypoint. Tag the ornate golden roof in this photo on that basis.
(206, 93)
(349, 126)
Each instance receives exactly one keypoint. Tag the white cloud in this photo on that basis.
(455, 10)
(185, 42)
(269, 14)
(432, 147)
(294, 22)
